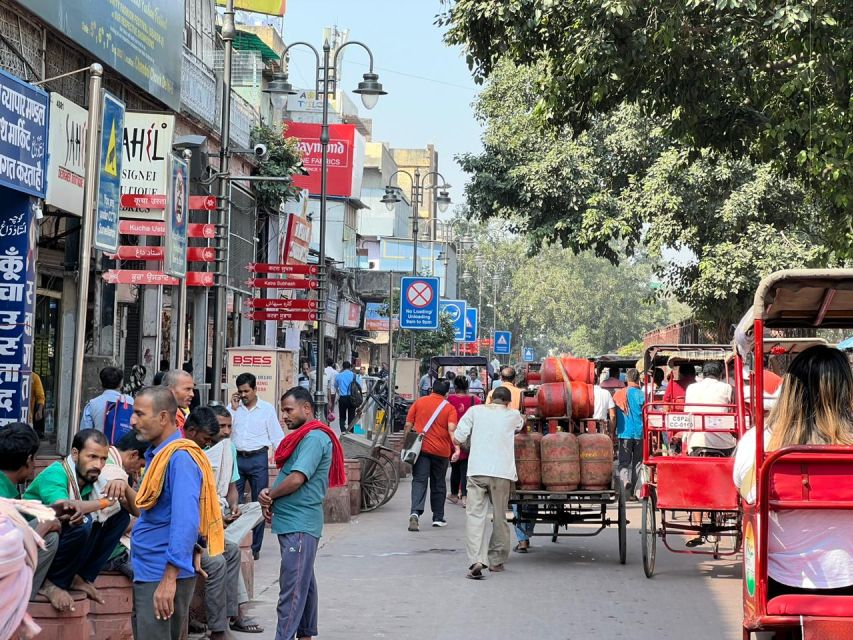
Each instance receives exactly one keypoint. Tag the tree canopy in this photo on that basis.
(764, 79)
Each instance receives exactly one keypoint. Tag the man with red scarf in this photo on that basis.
(310, 459)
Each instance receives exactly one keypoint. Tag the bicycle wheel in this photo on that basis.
(649, 534)
(623, 528)
(375, 483)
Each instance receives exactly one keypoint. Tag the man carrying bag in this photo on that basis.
(434, 420)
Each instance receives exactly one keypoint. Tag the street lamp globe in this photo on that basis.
(279, 88)
(370, 89)
(390, 199)
(443, 200)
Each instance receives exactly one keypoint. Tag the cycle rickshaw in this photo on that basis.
(797, 477)
(688, 494)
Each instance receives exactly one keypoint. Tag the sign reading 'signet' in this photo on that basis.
(345, 158)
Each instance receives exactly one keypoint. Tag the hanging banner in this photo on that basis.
(66, 164)
(17, 305)
(297, 239)
(270, 7)
(177, 213)
(23, 135)
(109, 173)
(146, 145)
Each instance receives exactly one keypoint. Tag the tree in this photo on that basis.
(427, 343)
(769, 79)
(624, 187)
(283, 160)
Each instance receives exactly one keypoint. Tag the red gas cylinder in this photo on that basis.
(596, 461)
(578, 370)
(560, 462)
(534, 376)
(583, 400)
(529, 405)
(112, 619)
(527, 461)
(554, 402)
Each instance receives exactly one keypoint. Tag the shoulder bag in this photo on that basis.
(412, 448)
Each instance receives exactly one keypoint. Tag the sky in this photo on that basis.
(429, 86)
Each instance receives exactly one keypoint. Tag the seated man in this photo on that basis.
(715, 393)
(85, 544)
(18, 447)
(223, 571)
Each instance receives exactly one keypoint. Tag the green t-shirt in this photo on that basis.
(7, 489)
(235, 471)
(51, 485)
(302, 511)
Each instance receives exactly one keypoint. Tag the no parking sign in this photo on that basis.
(419, 303)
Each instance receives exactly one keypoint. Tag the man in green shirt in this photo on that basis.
(84, 544)
(18, 447)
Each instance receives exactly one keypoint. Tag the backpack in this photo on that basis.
(117, 419)
(355, 393)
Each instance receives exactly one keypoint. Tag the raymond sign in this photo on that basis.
(345, 158)
(146, 144)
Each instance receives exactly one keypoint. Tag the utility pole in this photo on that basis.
(416, 195)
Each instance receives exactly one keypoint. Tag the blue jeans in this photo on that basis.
(297, 597)
(523, 530)
(85, 549)
(255, 469)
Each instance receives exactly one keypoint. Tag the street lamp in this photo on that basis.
(279, 88)
(442, 201)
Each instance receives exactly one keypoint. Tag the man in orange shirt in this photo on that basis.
(435, 412)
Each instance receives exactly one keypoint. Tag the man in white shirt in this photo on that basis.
(475, 384)
(330, 373)
(604, 409)
(716, 393)
(491, 472)
(256, 434)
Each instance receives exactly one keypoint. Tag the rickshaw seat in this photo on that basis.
(810, 482)
(685, 482)
(811, 605)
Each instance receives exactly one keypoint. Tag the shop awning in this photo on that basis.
(245, 41)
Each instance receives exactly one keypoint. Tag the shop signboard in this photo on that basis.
(109, 173)
(177, 218)
(345, 158)
(23, 135)
(146, 146)
(66, 164)
(143, 41)
(17, 305)
(376, 317)
(349, 314)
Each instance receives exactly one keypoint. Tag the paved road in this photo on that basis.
(377, 580)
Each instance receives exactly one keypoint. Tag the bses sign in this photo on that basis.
(252, 361)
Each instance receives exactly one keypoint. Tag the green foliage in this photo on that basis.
(633, 348)
(427, 343)
(712, 223)
(768, 79)
(283, 160)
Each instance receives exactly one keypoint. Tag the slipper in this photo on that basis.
(452, 499)
(519, 549)
(246, 624)
(196, 627)
(694, 543)
(475, 572)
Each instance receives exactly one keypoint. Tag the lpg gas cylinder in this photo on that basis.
(596, 461)
(527, 461)
(529, 405)
(554, 401)
(583, 400)
(578, 370)
(560, 461)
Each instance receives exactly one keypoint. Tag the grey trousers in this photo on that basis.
(146, 626)
(45, 558)
(484, 491)
(221, 599)
(297, 598)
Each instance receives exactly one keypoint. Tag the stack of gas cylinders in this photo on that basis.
(564, 454)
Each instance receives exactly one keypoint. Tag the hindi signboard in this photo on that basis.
(23, 135)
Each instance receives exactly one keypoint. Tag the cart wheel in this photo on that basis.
(554, 532)
(623, 529)
(716, 552)
(376, 483)
(650, 535)
(390, 466)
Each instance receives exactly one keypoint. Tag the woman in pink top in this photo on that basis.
(461, 400)
(809, 551)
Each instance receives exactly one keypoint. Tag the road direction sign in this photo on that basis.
(471, 318)
(529, 354)
(290, 269)
(157, 228)
(281, 304)
(158, 201)
(456, 310)
(285, 316)
(282, 283)
(419, 303)
(157, 278)
(503, 340)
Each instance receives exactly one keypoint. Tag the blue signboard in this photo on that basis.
(471, 316)
(23, 136)
(503, 340)
(456, 310)
(109, 173)
(529, 354)
(177, 218)
(419, 303)
(140, 40)
(17, 305)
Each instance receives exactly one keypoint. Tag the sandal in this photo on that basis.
(246, 624)
(453, 499)
(522, 547)
(475, 572)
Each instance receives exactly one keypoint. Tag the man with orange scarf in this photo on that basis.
(629, 432)
(311, 459)
(179, 507)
